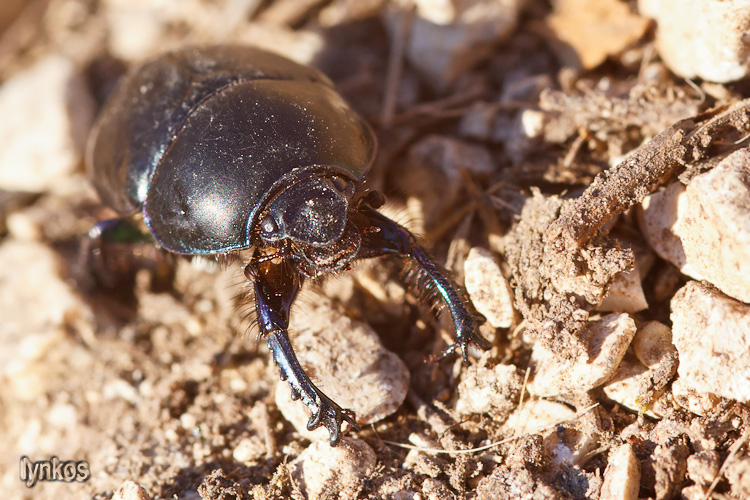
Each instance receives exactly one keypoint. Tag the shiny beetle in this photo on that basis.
(222, 149)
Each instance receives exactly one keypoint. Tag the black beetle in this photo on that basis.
(230, 148)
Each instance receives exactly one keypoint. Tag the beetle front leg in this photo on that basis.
(276, 287)
(382, 236)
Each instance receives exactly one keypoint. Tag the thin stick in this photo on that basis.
(523, 390)
(491, 445)
(396, 66)
(732, 452)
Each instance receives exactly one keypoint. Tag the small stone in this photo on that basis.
(622, 476)
(321, 469)
(249, 450)
(487, 287)
(348, 363)
(639, 385)
(712, 334)
(698, 402)
(703, 467)
(138, 29)
(489, 390)
(704, 39)
(716, 228)
(737, 473)
(537, 417)
(625, 387)
(661, 219)
(47, 114)
(652, 342)
(555, 375)
(131, 491)
(625, 294)
(586, 32)
(448, 38)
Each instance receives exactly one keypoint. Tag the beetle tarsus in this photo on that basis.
(276, 287)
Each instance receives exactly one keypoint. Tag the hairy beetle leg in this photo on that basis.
(385, 237)
(276, 287)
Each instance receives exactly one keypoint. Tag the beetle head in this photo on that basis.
(311, 214)
(311, 211)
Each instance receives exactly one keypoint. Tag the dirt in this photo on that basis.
(162, 381)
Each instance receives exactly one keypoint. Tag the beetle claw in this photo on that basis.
(331, 416)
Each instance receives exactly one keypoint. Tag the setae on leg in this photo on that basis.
(382, 236)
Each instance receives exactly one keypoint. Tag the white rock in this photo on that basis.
(625, 388)
(322, 469)
(622, 477)
(702, 38)
(700, 403)
(537, 416)
(716, 228)
(447, 38)
(47, 113)
(131, 491)
(712, 334)
(610, 338)
(349, 364)
(489, 390)
(652, 342)
(487, 287)
(661, 219)
(625, 294)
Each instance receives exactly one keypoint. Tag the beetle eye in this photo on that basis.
(268, 226)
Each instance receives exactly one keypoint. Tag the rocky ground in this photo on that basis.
(579, 165)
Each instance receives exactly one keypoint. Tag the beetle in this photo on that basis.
(224, 149)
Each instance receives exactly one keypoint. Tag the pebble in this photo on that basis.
(538, 416)
(704, 39)
(660, 219)
(489, 390)
(321, 469)
(622, 476)
(554, 375)
(141, 28)
(448, 38)
(712, 334)
(704, 228)
(695, 401)
(625, 294)
(652, 346)
(348, 363)
(625, 389)
(652, 342)
(131, 490)
(47, 114)
(716, 228)
(488, 288)
(585, 32)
